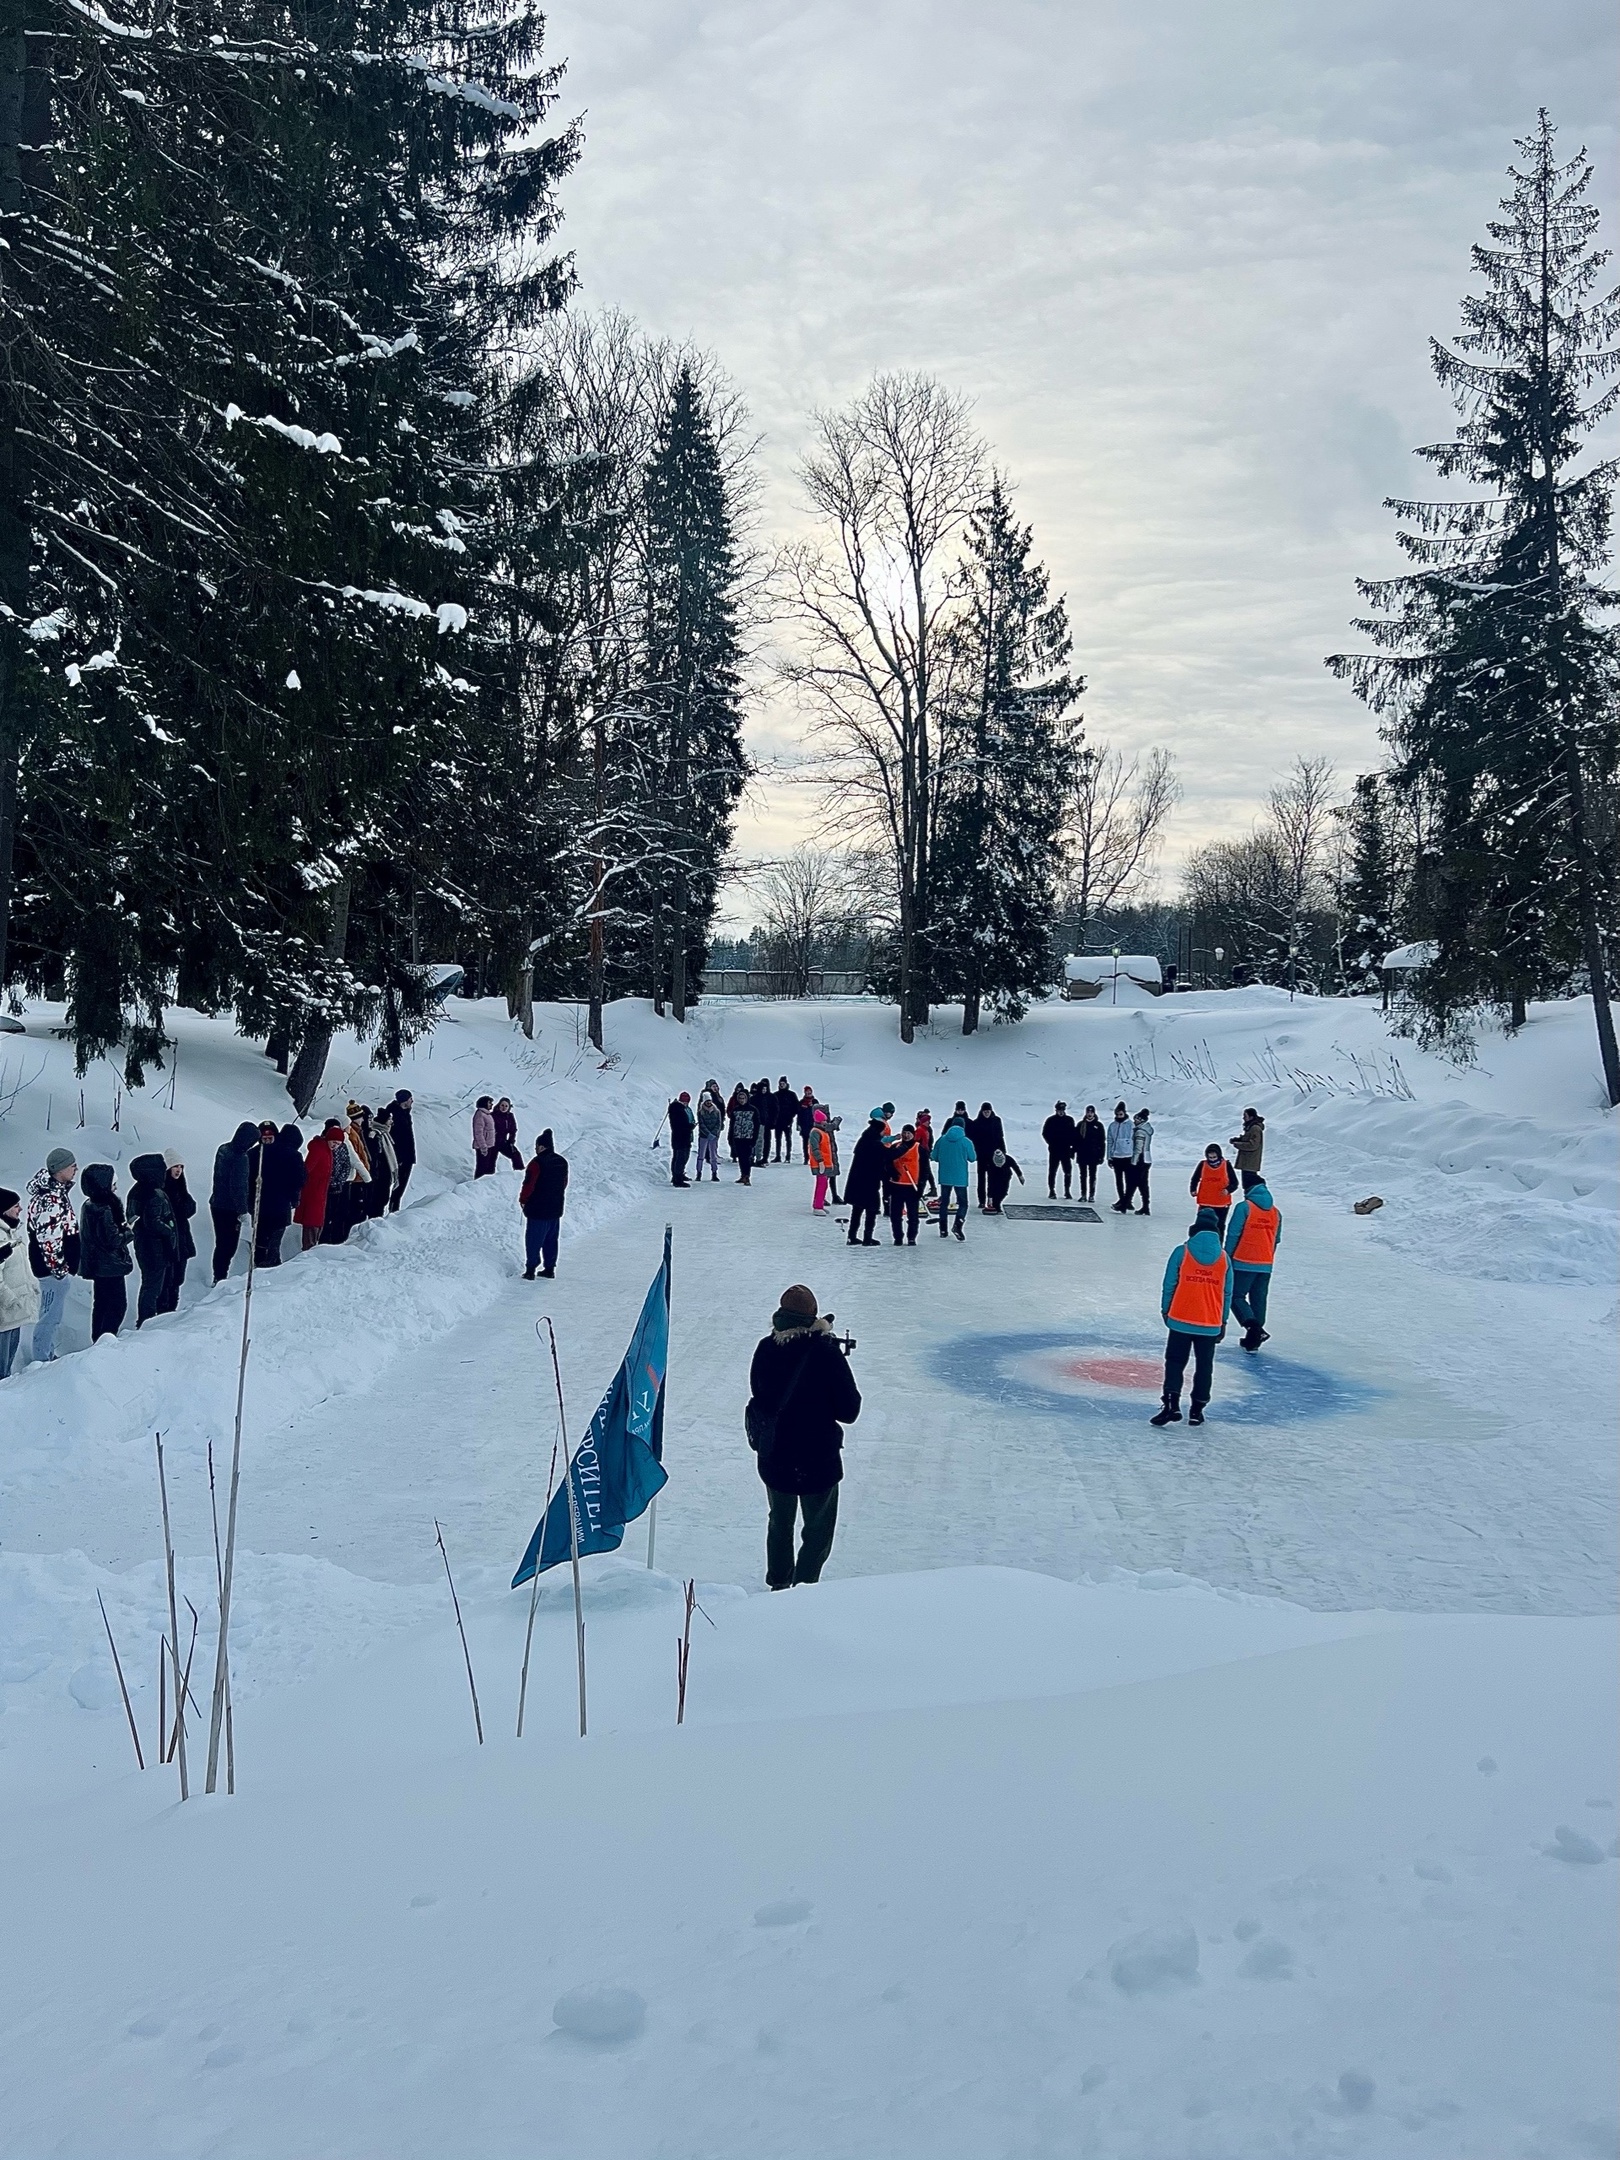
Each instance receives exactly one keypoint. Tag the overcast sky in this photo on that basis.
(1184, 258)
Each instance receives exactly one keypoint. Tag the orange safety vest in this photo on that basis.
(1199, 1298)
(1257, 1245)
(1213, 1189)
(820, 1148)
(903, 1166)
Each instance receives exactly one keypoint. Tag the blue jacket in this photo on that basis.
(1261, 1196)
(1204, 1246)
(953, 1151)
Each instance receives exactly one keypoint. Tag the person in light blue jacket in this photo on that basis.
(1195, 1304)
(953, 1158)
(1252, 1238)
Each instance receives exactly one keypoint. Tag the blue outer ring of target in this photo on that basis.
(1280, 1392)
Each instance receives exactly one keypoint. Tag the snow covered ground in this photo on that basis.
(1119, 1792)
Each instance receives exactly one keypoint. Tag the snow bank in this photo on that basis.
(1158, 1917)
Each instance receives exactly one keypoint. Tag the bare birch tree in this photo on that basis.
(803, 901)
(1121, 807)
(892, 479)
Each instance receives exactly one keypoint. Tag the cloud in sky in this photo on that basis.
(1185, 259)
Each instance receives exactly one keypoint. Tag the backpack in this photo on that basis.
(762, 1424)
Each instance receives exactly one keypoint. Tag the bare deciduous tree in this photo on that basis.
(1121, 807)
(1302, 818)
(892, 479)
(803, 902)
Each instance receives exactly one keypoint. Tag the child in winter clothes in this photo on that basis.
(821, 1160)
(19, 1286)
(711, 1118)
(1003, 1169)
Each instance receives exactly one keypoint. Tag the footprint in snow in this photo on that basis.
(1246, 1930)
(222, 2058)
(1487, 1763)
(1158, 1958)
(1573, 1846)
(1356, 2091)
(601, 2015)
(1268, 1960)
(783, 1912)
(1431, 1871)
(423, 1898)
(148, 2027)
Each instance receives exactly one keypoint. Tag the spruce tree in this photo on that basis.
(1495, 669)
(1370, 900)
(691, 688)
(1007, 776)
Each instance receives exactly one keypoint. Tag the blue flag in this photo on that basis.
(616, 1468)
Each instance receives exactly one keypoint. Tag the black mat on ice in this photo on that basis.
(1047, 1211)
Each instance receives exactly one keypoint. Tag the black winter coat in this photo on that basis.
(104, 1235)
(234, 1164)
(785, 1106)
(544, 1184)
(1058, 1133)
(283, 1176)
(987, 1134)
(804, 1455)
(682, 1122)
(1091, 1141)
(404, 1132)
(863, 1185)
(157, 1234)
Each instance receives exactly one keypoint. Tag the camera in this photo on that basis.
(846, 1343)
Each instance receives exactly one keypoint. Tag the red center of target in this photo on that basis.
(1122, 1372)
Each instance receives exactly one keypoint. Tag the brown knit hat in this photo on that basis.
(797, 1299)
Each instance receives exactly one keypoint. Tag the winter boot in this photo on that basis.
(1169, 1415)
(958, 1231)
(1195, 1416)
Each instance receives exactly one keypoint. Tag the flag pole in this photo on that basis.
(534, 1587)
(669, 1270)
(573, 1531)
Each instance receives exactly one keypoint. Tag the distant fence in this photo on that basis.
(778, 983)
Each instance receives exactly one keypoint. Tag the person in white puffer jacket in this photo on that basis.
(19, 1286)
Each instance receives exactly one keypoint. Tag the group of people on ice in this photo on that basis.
(759, 1125)
(1221, 1271)
(265, 1179)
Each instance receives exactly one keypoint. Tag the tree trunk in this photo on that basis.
(524, 1014)
(593, 1024)
(677, 951)
(1517, 1015)
(14, 526)
(970, 1012)
(309, 1067)
(1591, 928)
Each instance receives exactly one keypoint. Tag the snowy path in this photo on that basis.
(1469, 1481)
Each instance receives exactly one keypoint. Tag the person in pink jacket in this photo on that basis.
(485, 1139)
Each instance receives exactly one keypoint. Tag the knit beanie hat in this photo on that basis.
(61, 1158)
(1207, 1220)
(172, 1161)
(9, 1199)
(797, 1299)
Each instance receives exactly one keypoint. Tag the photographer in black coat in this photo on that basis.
(801, 1395)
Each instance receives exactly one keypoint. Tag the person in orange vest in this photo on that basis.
(1196, 1302)
(821, 1160)
(902, 1177)
(1213, 1183)
(1252, 1239)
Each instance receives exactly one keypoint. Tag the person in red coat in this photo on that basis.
(310, 1213)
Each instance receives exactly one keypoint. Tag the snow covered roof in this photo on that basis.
(1098, 967)
(1410, 956)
